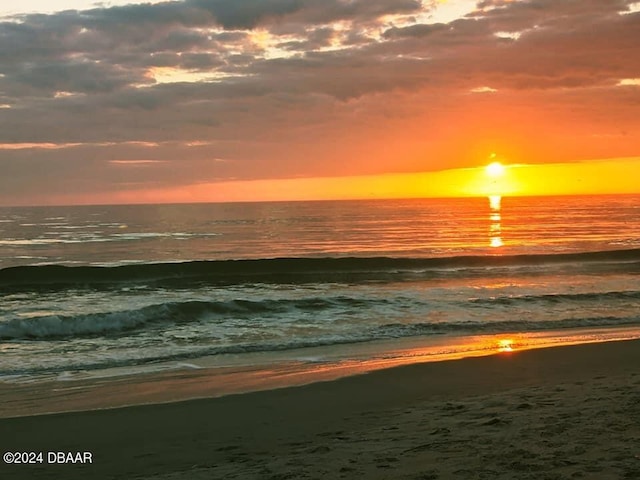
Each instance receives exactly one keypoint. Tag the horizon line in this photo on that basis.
(318, 200)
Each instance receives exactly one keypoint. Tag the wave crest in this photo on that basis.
(119, 322)
(299, 270)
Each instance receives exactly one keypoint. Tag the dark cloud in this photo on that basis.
(356, 10)
(200, 61)
(79, 77)
(316, 39)
(107, 50)
(419, 30)
(247, 14)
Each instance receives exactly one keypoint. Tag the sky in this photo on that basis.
(226, 100)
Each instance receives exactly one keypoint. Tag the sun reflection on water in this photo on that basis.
(495, 227)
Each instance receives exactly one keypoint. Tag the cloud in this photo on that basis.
(418, 30)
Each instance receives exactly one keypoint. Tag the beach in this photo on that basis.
(307, 240)
(553, 413)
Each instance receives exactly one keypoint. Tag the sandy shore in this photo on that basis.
(556, 413)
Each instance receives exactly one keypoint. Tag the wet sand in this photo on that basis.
(555, 413)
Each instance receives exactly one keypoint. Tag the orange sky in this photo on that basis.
(207, 101)
(604, 177)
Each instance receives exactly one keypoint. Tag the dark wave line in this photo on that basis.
(558, 298)
(286, 269)
(507, 326)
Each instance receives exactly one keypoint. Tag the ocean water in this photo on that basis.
(89, 288)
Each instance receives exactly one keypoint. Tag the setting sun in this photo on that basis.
(495, 169)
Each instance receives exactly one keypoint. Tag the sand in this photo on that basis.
(556, 413)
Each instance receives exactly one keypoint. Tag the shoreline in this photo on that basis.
(565, 412)
(206, 378)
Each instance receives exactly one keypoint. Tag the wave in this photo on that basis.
(48, 327)
(393, 330)
(399, 330)
(558, 298)
(160, 317)
(96, 238)
(301, 270)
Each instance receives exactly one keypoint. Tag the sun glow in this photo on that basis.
(582, 178)
(496, 181)
(495, 169)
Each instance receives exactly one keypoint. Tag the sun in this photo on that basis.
(495, 169)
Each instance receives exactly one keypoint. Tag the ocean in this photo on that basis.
(87, 290)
